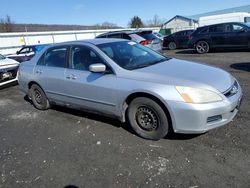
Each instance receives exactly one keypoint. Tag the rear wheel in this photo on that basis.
(39, 98)
(202, 47)
(172, 46)
(147, 118)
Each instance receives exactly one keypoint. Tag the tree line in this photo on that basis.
(7, 25)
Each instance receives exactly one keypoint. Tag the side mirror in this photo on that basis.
(243, 30)
(17, 52)
(97, 68)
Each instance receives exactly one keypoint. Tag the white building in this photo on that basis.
(179, 23)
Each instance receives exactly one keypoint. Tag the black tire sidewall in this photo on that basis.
(45, 102)
(163, 128)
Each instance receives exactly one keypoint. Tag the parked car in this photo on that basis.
(27, 52)
(144, 37)
(226, 35)
(158, 35)
(125, 80)
(177, 40)
(8, 70)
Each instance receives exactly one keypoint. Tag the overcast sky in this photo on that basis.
(89, 12)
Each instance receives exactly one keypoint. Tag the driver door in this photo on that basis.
(92, 91)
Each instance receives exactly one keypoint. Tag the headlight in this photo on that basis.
(197, 95)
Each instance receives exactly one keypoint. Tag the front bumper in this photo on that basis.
(200, 118)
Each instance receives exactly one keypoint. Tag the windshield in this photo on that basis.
(1, 57)
(130, 55)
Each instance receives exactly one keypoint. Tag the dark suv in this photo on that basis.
(225, 35)
(144, 37)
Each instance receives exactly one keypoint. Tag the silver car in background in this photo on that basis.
(143, 37)
(125, 80)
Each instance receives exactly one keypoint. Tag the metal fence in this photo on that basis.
(11, 42)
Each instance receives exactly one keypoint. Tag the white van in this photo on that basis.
(224, 18)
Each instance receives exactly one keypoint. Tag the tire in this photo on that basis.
(172, 46)
(202, 47)
(147, 118)
(38, 97)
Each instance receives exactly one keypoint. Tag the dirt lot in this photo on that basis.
(61, 147)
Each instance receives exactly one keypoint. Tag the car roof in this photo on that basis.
(91, 41)
(125, 31)
(221, 24)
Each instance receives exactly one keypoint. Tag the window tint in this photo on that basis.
(82, 57)
(25, 50)
(125, 36)
(147, 36)
(233, 27)
(217, 29)
(55, 57)
(205, 30)
(118, 35)
(247, 19)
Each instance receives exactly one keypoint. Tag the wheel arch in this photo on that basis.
(134, 95)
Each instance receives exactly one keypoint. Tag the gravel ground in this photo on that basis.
(69, 148)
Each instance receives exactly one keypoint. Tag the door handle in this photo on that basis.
(38, 72)
(72, 77)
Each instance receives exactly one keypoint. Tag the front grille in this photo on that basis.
(232, 90)
(12, 73)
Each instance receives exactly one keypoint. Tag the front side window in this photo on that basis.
(25, 50)
(1, 57)
(55, 57)
(82, 57)
(130, 55)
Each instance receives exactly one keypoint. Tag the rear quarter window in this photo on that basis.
(148, 36)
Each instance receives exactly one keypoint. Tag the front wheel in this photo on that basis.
(39, 98)
(202, 47)
(147, 118)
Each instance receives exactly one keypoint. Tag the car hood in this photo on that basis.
(8, 63)
(184, 73)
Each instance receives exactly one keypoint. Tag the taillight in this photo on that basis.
(146, 42)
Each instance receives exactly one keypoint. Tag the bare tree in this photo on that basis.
(155, 22)
(6, 24)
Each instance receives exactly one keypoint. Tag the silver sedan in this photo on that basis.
(128, 81)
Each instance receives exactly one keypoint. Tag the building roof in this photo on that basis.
(181, 17)
(245, 8)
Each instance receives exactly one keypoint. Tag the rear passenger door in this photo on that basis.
(92, 91)
(50, 70)
(217, 35)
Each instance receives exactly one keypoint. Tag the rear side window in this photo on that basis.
(55, 57)
(217, 29)
(117, 36)
(147, 36)
(247, 19)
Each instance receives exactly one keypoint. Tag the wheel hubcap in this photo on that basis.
(147, 119)
(38, 96)
(202, 47)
